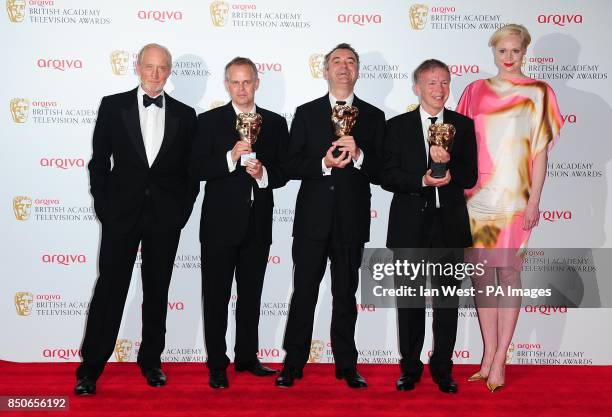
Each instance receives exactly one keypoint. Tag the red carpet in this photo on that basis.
(122, 391)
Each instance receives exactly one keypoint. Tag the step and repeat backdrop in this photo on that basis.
(64, 55)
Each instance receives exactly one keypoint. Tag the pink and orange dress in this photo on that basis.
(514, 121)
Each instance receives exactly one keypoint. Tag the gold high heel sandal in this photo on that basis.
(494, 387)
(477, 377)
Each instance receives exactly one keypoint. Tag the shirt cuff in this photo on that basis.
(357, 163)
(263, 182)
(231, 165)
(326, 171)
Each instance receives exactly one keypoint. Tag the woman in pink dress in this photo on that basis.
(517, 121)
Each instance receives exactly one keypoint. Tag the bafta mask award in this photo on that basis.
(248, 126)
(343, 118)
(441, 135)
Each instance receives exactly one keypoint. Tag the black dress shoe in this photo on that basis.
(155, 377)
(218, 379)
(85, 386)
(256, 369)
(352, 378)
(446, 383)
(287, 376)
(406, 382)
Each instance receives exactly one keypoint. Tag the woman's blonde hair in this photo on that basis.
(511, 29)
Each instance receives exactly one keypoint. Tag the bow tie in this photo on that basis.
(158, 101)
(340, 102)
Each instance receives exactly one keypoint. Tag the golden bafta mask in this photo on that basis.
(23, 303)
(344, 118)
(16, 10)
(411, 107)
(418, 16)
(248, 126)
(316, 351)
(216, 103)
(315, 62)
(219, 12)
(123, 347)
(119, 62)
(441, 135)
(19, 109)
(22, 207)
(510, 354)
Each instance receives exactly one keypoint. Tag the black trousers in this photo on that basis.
(116, 263)
(310, 261)
(411, 320)
(248, 262)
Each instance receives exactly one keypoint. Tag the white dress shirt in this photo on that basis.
(231, 164)
(152, 123)
(356, 162)
(425, 122)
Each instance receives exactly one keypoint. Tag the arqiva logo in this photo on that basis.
(457, 354)
(461, 69)
(560, 19)
(160, 15)
(62, 163)
(64, 259)
(266, 353)
(569, 118)
(59, 64)
(65, 354)
(545, 310)
(360, 19)
(263, 67)
(554, 215)
(274, 259)
(176, 306)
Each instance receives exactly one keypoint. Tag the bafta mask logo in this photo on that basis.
(19, 109)
(219, 12)
(23, 303)
(510, 354)
(15, 10)
(316, 351)
(216, 103)
(22, 207)
(418, 16)
(123, 348)
(315, 62)
(119, 62)
(411, 107)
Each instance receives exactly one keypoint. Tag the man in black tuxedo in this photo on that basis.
(146, 197)
(236, 223)
(428, 212)
(332, 214)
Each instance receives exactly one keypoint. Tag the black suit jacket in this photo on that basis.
(119, 192)
(404, 166)
(227, 198)
(342, 198)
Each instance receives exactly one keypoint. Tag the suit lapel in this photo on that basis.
(418, 126)
(131, 119)
(171, 125)
(324, 111)
(361, 119)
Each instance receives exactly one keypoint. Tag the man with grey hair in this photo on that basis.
(236, 223)
(144, 198)
(332, 214)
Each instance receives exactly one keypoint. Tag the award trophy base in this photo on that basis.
(438, 169)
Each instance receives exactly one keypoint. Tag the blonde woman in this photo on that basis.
(517, 121)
